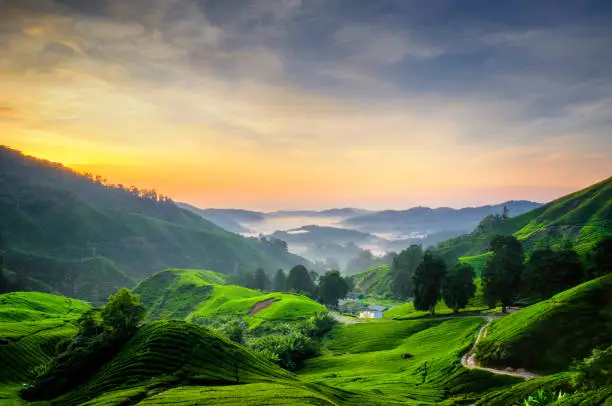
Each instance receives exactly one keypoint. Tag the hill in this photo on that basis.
(313, 234)
(194, 295)
(549, 335)
(376, 281)
(31, 324)
(428, 221)
(583, 217)
(224, 221)
(67, 233)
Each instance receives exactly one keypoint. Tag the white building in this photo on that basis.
(373, 312)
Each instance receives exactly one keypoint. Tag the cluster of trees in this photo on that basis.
(102, 333)
(145, 194)
(546, 272)
(425, 277)
(327, 289)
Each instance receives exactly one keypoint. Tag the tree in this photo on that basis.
(332, 287)
(314, 276)
(501, 278)
(402, 270)
(458, 286)
(299, 281)
(601, 258)
(261, 280)
(548, 272)
(427, 280)
(123, 312)
(280, 281)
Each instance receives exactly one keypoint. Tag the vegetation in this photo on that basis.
(67, 233)
(601, 258)
(548, 272)
(501, 278)
(261, 280)
(583, 218)
(458, 286)
(279, 284)
(300, 281)
(331, 287)
(403, 268)
(427, 280)
(549, 335)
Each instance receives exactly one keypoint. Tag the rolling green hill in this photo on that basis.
(191, 294)
(583, 217)
(31, 324)
(374, 282)
(67, 233)
(549, 335)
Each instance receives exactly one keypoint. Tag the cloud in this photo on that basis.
(9, 112)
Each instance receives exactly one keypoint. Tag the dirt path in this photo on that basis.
(260, 306)
(343, 320)
(469, 359)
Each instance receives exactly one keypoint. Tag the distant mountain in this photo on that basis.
(427, 220)
(222, 220)
(63, 232)
(340, 213)
(312, 234)
(583, 217)
(237, 215)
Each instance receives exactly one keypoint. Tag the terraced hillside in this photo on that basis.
(192, 294)
(415, 361)
(66, 233)
(31, 324)
(549, 335)
(583, 217)
(375, 281)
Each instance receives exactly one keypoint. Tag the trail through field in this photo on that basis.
(343, 320)
(469, 358)
(260, 306)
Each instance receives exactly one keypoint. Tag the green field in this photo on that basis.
(549, 335)
(192, 294)
(31, 324)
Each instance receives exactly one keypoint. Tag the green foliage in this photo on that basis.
(331, 288)
(427, 280)
(601, 258)
(595, 371)
(403, 268)
(550, 334)
(82, 237)
(123, 311)
(502, 276)
(279, 284)
(234, 330)
(261, 280)
(548, 272)
(543, 398)
(375, 282)
(299, 281)
(458, 286)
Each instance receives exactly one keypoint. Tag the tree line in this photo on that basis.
(327, 288)
(426, 277)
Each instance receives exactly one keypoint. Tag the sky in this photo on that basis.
(296, 104)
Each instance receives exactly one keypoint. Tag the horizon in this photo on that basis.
(294, 104)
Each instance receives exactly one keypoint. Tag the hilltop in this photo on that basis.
(63, 232)
(583, 217)
(194, 295)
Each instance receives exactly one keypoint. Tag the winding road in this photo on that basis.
(469, 359)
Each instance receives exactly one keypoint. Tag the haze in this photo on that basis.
(314, 104)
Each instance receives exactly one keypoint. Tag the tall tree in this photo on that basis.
(458, 286)
(299, 281)
(280, 281)
(261, 280)
(402, 270)
(123, 312)
(331, 287)
(501, 278)
(548, 272)
(601, 258)
(427, 280)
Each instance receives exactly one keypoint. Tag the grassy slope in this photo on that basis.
(55, 216)
(584, 217)
(369, 357)
(550, 334)
(375, 281)
(187, 294)
(31, 324)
